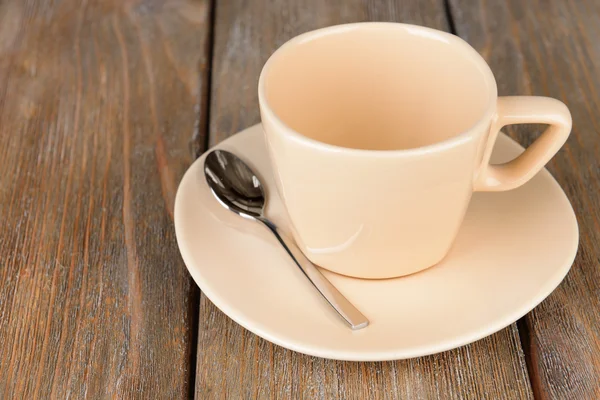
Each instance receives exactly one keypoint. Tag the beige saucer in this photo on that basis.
(513, 249)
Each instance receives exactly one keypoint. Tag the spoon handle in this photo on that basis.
(344, 308)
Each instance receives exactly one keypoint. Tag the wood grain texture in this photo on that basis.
(97, 108)
(551, 48)
(233, 363)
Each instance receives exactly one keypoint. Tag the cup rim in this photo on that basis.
(453, 141)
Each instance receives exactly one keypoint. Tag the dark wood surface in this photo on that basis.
(235, 363)
(97, 107)
(551, 48)
(103, 105)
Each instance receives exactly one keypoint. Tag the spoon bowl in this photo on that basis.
(234, 184)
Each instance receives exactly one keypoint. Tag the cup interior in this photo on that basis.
(378, 86)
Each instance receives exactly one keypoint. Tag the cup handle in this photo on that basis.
(518, 110)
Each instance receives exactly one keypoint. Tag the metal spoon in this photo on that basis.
(238, 189)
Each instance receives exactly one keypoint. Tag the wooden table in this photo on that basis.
(103, 106)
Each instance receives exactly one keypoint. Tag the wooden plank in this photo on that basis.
(551, 48)
(97, 108)
(233, 363)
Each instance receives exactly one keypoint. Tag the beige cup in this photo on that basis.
(378, 135)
